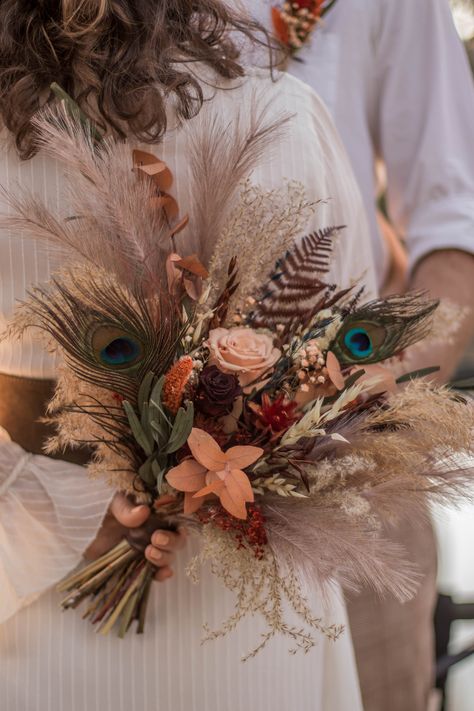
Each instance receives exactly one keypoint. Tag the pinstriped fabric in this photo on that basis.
(49, 513)
(66, 665)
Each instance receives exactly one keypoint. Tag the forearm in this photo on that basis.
(446, 275)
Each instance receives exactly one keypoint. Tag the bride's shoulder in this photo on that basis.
(282, 93)
(281, 88)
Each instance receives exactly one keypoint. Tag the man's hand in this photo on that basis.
(122, 516)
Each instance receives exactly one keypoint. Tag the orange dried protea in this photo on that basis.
(176, 380)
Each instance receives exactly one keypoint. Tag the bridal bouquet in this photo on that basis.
(224, 380)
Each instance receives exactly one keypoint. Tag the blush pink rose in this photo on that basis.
(242, 351)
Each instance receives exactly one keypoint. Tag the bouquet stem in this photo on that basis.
(118, 582)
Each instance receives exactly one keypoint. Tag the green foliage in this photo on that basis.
(155, 430)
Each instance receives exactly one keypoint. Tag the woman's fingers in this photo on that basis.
(159, 557)
(163, 574)
(128, 514)
(169, 540)
(162, 549)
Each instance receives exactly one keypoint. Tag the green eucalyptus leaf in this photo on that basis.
(466, 384)
(146, 473)
(352, 379)
(157, 390)
(157, 412)
(181, 428)
(144, 391)
(161, 432)
(160, 468)
(136, 428)
(146, 426)
(76, 112)
(417, 374)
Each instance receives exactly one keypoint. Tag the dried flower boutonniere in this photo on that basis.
(294, 22)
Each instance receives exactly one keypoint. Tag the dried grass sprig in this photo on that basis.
(263, 225)
(260, 587)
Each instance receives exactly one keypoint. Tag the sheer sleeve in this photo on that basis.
(49, 514)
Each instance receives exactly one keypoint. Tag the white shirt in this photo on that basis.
(49, 512)
(395, 77)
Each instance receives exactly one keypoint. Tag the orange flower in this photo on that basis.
(214, 472)
(175, 383)
(280, 26)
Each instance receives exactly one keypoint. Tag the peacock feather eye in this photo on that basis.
(115, 348)
(360, 342)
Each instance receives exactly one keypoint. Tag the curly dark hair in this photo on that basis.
(119, 59)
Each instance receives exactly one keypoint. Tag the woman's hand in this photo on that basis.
(123, 515)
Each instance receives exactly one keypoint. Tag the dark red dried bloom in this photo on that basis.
(250, 533)
(278, 415)
(217, 392)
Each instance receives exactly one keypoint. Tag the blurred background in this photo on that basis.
(456, 527)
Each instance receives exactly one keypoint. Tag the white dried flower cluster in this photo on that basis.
(329, 472)
(355, 505)
(299, 22)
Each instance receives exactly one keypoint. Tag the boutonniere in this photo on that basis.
(294, 22)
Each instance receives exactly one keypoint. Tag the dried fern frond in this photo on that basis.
(294, 284)
(262, 227)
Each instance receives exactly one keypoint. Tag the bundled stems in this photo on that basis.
(119, 582)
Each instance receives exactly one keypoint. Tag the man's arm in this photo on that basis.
(423, 129)
(446, 274)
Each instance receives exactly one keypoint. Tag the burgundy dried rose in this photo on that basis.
(217, 391)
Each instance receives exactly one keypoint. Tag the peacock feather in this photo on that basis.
(110, 337)
(382, 328)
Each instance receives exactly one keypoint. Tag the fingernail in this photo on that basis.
(156, 555)
(160, 539)
(138, 509)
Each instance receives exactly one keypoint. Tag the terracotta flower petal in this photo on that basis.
(187, 476)
(215, 487)
(279, 25)
(191, 504)
(205, 450)
(334, 371)
(236, 492)
(243, 456)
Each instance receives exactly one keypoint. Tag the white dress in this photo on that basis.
(49, 512)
